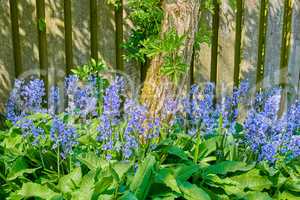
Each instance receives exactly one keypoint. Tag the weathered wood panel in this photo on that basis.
(6, 54)
(106, 36)
(55, 40)
(294, 58)
(203, 53)
(226, 47)
(29, 37)
(81, 31)
(273, 43)
(250, 42)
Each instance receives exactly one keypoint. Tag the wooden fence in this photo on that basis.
(257, 40)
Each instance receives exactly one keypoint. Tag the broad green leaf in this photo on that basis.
(165, 176)
(92, 161)
(192, 191)
(121, 168)
(86, 189)
(184, 172)
(36, 190)
(71, 181)
(287, 196)
(253, 180)
(228, 166)
(128, 196)
(257, 196)
(19, 168)
(293, 184)
(142, 180)
(176, 151)
(103, 184)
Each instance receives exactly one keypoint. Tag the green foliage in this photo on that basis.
(93, 68)
(42, 25)
(146, 16)
(169, 172)
(115, 3)
(169, 47)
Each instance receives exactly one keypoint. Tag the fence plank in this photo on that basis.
(273, 43)
(238, 40)
(107, 33)
(250, 42)
(29, 37)
(81, 40)
(294, 59)
(94, 28)
(7, 70)
(119, 36)
(226, 47)
(261, 44)
(215, 38)
(68, 35)
(203, 52)
(55, 41)
(14, 14)
(41, 27)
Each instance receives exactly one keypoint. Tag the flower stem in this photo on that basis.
(196, 154)
(58, 161)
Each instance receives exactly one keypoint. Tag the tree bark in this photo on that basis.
(183, 16)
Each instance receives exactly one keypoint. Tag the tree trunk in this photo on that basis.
(183, 16)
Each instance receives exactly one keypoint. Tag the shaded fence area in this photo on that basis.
(257, 40)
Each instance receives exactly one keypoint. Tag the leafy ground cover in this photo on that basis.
(106, 145)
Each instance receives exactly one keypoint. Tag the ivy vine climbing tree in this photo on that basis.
(171, 53)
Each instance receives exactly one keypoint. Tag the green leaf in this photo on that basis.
(253, 180)
(287, 196)
(142, 180)
(103, 184)
(192, 191)
(71, 181)
(19, 168)
(293, 184)
(228, 166)
(257, 196)
(176, 151)
(92, 161)
(165, 176)
(36, 190)
(42, 25)
(86, 189)
(128, 196)
(121, 168)
(184, 172)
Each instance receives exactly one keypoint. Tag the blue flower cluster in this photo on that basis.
(63, 137)
(110, 117)
(268, 134)
(200, 113)
(122, 133)
(29, 129)
(25, 98)
(82, 97)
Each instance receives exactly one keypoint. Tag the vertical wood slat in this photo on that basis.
(284, 54)
(285, 42)
(238, 41)
(94, 28)
(14, 14)
(42, 40)
(261, 44)
(215, 36)
(119, 36)
(68, 35)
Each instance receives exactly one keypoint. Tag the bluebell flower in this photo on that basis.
(29, 129)
(63, 136)
(25, 98)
